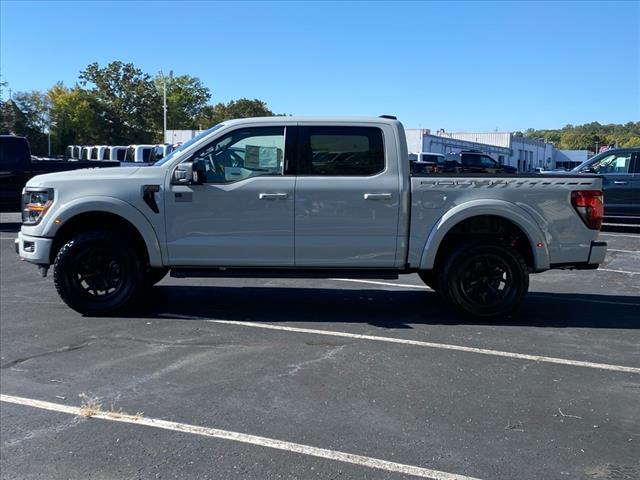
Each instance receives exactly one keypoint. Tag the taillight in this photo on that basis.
(590, 207)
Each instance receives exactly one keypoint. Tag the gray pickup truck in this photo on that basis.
(312, 197)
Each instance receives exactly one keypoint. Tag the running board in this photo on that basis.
(186, 272)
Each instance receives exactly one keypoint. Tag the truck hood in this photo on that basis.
(82, 175)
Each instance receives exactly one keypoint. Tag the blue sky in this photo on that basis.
(471, 66)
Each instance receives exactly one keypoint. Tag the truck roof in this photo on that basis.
(319, 119)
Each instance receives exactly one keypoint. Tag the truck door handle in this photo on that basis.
(272, 196)
(619, 182)
(377, 196)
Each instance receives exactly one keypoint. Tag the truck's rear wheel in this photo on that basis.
(485, 280)
(97, 272)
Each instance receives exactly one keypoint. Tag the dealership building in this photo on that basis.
(524, 153)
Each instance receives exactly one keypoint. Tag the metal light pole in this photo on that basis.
(49, 130)
(164, 107)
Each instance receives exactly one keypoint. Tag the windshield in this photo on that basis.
(130, 156)
(156, 154)
(186, 145)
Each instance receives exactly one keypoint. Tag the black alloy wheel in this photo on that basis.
(97, 272)
(485, 280)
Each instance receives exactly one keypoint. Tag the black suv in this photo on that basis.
(475, 162)
(620, 171)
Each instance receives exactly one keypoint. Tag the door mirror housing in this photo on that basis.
(183, 174)
(199, 171)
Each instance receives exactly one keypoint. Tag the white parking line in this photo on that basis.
(619, 271)
(374, 282)
(623, 251)
(244, 438)
(442, 346)
(620, 235)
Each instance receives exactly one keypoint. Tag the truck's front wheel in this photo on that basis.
(485, 280)
(97, 272)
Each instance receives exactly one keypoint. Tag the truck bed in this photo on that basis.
(543, 202)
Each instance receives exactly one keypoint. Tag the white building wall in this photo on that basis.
(414, 139)
(180, 136)
(527, 154)
(499, 139)
(444, 145)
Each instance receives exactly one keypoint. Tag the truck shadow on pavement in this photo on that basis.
(380, 308)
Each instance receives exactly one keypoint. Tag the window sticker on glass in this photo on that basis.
(260, 157)
(621, 162)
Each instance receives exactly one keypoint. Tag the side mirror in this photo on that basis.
(183, 174)
(199, 171)
(589, 170)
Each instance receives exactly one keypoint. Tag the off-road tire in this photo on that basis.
(97, 257)
(473, 270)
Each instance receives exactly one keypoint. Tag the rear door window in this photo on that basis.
(469, 159)
(341, 151)
(486, 161)
(635, 157)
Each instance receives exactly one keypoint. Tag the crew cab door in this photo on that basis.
(243, 214)
(617, 183)
(347, 197)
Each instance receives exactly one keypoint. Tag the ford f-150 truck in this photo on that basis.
(305, 197)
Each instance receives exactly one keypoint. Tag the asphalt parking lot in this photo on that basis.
(331, 379)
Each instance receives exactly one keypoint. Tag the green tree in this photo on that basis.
(186, 98)
(127, 102)
(35, 106)
(242, 108)
(15, 122)
(587, 136)
(76, 118)
(7, 118)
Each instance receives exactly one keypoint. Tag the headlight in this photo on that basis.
(35, 203)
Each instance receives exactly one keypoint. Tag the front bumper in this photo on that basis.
(33, 249)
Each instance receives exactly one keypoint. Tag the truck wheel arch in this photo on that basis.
(506, 211)
(100, 213)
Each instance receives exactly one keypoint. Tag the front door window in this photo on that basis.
(245, 153)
